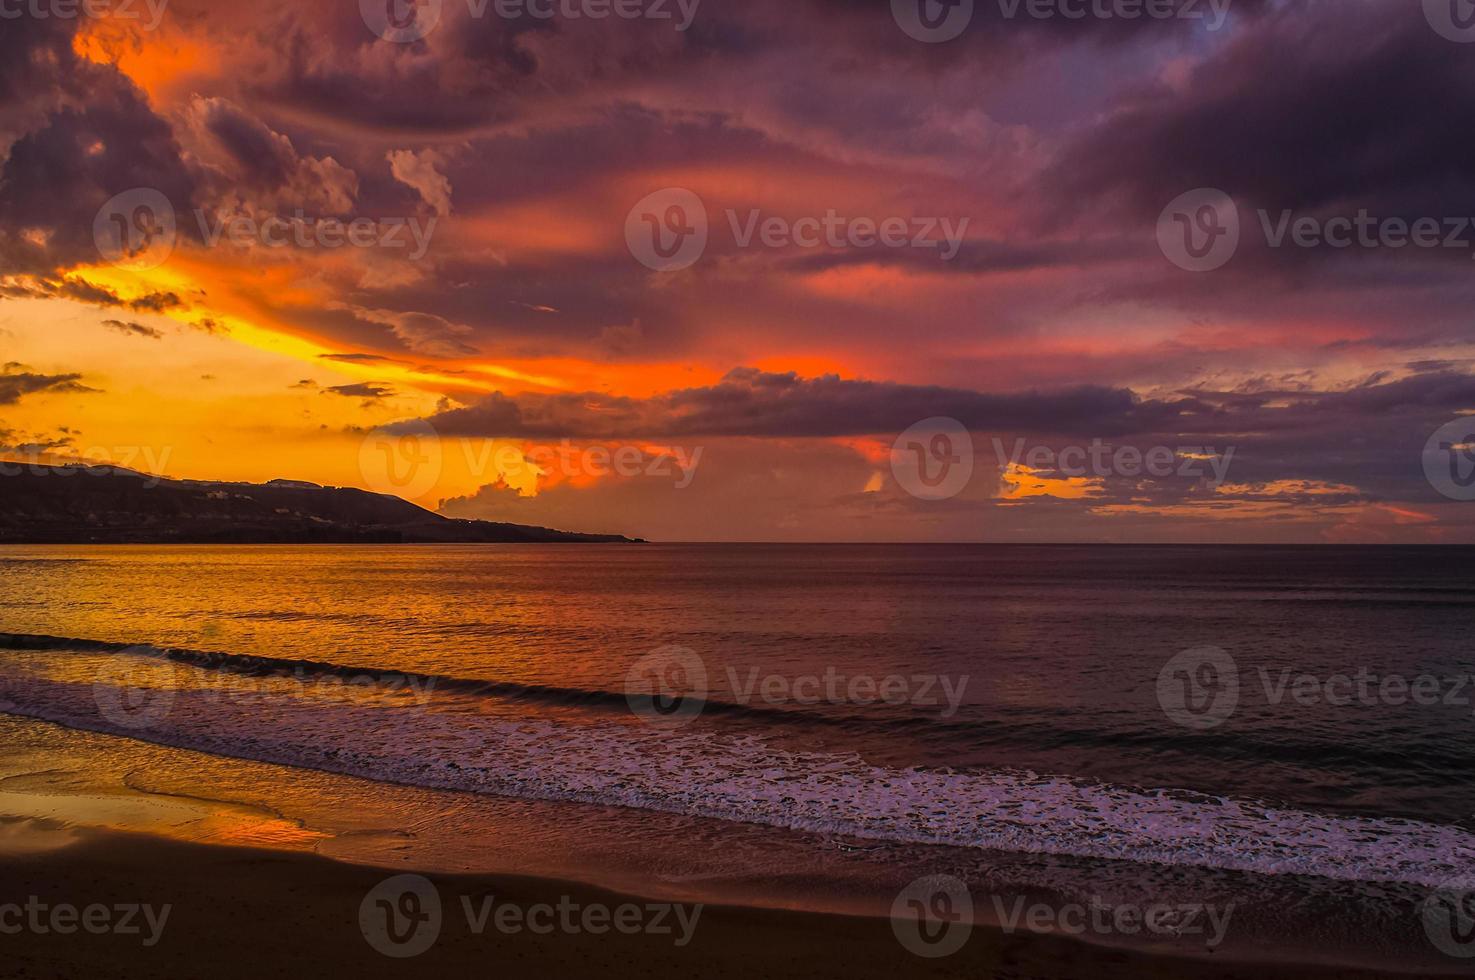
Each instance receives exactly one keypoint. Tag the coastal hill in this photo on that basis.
(78, 504)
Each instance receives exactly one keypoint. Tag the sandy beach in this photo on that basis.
(257, 913)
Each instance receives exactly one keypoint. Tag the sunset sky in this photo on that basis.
(517, 149)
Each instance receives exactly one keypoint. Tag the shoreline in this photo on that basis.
(136, 813)
(255, 911)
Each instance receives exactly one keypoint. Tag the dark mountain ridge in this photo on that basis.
(79, 504)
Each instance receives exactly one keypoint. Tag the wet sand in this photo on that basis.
(245, 912)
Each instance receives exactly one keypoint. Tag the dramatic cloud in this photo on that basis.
(36, 444)
(1320, 105)
(753, 403)
(33, 287)
(503, 272)
(132, 329)
(246, 153)
(424, 333)
(419, 171)
(749, 402)
(355, 358)
(369, 392)
(82, 133)
(17, 381)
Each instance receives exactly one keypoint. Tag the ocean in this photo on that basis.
(1284, 731)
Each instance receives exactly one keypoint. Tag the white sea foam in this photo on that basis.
(450, 744)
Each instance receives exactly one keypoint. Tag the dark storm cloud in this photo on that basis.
(36, 443)
(1338, 104)
(1439, 365)
(133, 329)
(1327, 109)
(471, 72)
(369, 392)
(466, 73)
(354, 358)
(243, 162)
(749, 402)
(82, 133)
(977, 257)
(17, 381)
(1370, 436)
(265, 156)
(1358, 444)
(31, 51)
(1438, 393)
(1004, 27)
(38, 287)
